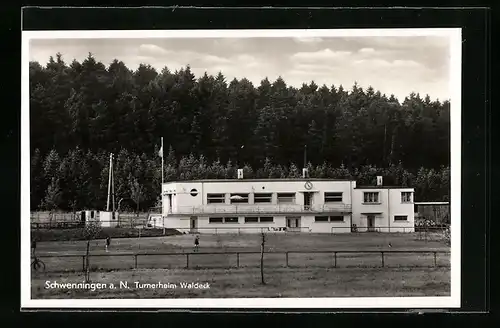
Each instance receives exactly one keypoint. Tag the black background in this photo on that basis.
(475, 112)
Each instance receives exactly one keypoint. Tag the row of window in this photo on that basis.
(336, 218)
(270, 219)
(289, 198)
(373, 197)
(341, 218)
(283, 198)
(266, 198)
(262, 219)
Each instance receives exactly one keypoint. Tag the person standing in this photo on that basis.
(196, 243)
(108, 242)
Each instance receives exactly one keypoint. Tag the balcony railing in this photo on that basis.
(261, 209)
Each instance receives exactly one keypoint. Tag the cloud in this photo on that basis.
(381, 63)
(325, 54)
(366, 50)
(390, 64)
(315, 68)
(306, 74)
(152, 50)
(214, 59)
(308, 40)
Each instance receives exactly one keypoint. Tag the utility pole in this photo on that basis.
(262, 259)
(109, 181)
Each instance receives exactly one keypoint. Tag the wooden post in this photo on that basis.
(135, 261)
(187, 260)
(382, 258)
(83, 263)
(286, 259)
(435, 260)
(262, 259)
(334, 259)
(237, 260)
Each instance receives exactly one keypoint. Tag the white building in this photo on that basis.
(313, 205)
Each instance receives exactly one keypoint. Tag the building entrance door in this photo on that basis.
(169, 203)
(307, 200)
(194, 224)
(293, 223)
(371, 223)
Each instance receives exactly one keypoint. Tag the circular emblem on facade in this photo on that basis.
(308, 185)
(194, 192)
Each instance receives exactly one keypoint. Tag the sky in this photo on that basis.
(392, 65)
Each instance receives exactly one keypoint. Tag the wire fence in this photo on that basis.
(48, 220)
(247, 259)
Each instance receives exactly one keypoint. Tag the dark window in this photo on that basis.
(400, 218)
(215, 220)
(263, 198)
(251, 220)
(336, 218)
(321, 219)
(216, 198)
(331, 197)
(230, 220)
(405, 197)
(266, 219)
(286, 198)
(371, 197)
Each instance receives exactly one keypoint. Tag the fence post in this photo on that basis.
(435, 260)
(135, 261)
(286, 253)
(83, 263)
(187, 260)
(382, 259)
(237, 259)
(334, 259)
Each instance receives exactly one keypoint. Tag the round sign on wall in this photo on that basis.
(308, 185)
(194, 192)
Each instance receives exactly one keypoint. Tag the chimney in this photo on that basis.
(379, 180)
(240, 173)
(305, 173)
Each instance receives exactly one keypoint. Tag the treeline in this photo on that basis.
(79, 179)
(81, 112)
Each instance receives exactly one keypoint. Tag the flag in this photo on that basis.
(160, 153)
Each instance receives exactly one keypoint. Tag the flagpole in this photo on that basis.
(162, 161)
(161, 188)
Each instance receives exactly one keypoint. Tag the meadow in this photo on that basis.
(295, 265)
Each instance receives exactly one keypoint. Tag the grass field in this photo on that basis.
(42, 235)
(307, 275)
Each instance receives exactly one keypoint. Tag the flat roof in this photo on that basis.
(258, 180)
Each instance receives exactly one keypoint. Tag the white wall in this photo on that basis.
(183, 200)
(397, 207)
(384, 212)
(390, 205)
(327, 227)
(206, 227)
(379, 210)
(175, 222)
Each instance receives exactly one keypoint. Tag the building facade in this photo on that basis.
(312, 205)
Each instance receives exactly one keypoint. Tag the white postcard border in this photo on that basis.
(453, 301)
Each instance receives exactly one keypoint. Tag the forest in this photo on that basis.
(83, 111)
